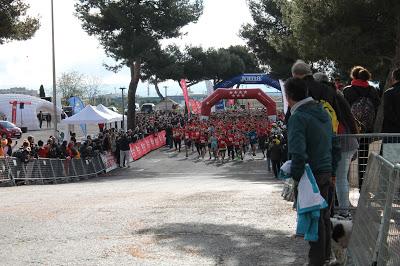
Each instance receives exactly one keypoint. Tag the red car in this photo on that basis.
(10, 130)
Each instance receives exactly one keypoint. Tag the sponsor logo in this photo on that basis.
(251, 79)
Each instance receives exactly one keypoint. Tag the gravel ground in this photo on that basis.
(164, 210)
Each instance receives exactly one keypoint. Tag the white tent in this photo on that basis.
(116, 117)
(26, 117)
(88, 115)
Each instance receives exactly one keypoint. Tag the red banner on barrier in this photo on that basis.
(156, 143)
(146, 145)
(136, 151)
(142, 145)
(152, 144)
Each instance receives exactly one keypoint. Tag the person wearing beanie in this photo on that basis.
(317, 90)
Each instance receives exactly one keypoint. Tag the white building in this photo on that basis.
(20, 90)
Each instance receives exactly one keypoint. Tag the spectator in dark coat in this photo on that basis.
(391, 121)
(276, 156)
(124, 151)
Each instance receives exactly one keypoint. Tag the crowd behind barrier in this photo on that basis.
(15, 171)
(41, 171)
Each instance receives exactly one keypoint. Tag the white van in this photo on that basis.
(147, 108)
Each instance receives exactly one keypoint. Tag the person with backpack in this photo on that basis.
(363, 99)
(348, 146)
(364, 102)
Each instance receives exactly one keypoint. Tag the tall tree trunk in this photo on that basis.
(158, 90)
(135, 77)
(395, 64)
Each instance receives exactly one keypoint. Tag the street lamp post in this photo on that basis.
(54, 72)
(166, 103)
(123, 108)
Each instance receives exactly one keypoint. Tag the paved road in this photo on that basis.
(164, 210)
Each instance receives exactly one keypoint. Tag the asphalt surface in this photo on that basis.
(164, 210)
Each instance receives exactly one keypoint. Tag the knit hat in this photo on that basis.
(301, 68)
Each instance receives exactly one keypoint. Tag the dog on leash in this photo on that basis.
(341, 233)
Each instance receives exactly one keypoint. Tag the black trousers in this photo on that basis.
(231, 151)
(178, 144)
(320, 251)
(276, 165)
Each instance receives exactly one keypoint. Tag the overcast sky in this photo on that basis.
(28, 63)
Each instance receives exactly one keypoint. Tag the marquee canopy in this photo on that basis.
(89, 115)
(117, 116)
(220, 94)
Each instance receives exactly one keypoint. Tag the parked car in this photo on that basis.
(147, 108)
(113, 108)
(10, 130)
(137, 109)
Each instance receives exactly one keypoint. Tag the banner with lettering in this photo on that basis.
(147, 145)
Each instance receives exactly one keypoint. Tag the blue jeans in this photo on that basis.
(342, 182)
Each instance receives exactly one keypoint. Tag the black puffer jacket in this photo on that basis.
(391, 120)
(354, 93)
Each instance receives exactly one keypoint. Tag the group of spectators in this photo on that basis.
(319, 110)
(109, 140)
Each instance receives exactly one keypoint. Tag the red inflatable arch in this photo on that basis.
(220, 94)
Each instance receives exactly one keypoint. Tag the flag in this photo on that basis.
(185, 93)
(77, 106)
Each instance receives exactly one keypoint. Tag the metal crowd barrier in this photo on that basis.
(375, 239)
(384, 144)
(49, 170)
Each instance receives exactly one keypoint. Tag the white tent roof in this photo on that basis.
(116, 117)
(88, 115)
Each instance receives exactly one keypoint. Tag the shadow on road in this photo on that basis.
(230, 244)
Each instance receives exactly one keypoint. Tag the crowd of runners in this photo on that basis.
(230, 135)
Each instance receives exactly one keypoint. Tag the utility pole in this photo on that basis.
(123, 108)
(166, 103)
(54, 72)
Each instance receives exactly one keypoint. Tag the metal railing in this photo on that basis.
(380, 143)
(375, 238)
(43, 170)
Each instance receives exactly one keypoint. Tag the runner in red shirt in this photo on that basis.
(222, 147)
(203, 143)
(188, 141)
(238, 143)
(196, 139)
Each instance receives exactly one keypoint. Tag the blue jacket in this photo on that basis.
(311, 140)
